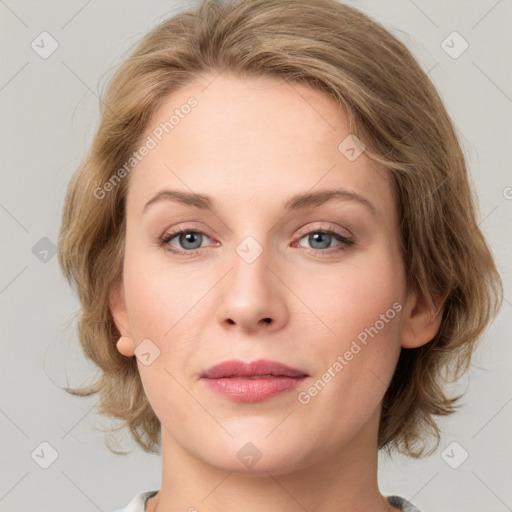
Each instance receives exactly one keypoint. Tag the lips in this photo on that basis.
(262, 368)
(252, 382)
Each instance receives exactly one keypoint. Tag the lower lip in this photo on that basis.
(253, 390)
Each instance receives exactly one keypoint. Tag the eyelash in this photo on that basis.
(345, 242)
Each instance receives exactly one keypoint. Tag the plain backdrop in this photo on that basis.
(49, 114)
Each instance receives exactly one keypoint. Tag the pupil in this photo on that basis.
(189, 238)
(317, 237)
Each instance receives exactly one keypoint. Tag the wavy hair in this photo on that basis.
(392, 107)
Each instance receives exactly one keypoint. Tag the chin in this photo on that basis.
(255, 455)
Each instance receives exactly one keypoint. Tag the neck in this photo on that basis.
(341, 482)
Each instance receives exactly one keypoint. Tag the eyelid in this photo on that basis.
(324, 227)
(345, 241)
(171, 233)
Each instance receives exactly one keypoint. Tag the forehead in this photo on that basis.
(248, 139)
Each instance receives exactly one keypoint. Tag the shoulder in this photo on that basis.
(402, 504)
(138, 503)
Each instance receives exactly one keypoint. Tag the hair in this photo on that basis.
(392, 107)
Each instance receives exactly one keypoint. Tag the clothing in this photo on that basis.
(401, 503)
(138, 503)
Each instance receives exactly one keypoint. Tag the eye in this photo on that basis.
(189, 241)
(321, 239)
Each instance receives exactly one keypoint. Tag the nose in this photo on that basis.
(252, 296)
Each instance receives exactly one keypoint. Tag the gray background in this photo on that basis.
(49, 114)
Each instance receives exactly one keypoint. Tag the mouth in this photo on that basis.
(252, 382)
(262, 368)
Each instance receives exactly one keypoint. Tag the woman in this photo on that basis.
(275, 246)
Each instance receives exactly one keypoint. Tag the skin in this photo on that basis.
(251, 144)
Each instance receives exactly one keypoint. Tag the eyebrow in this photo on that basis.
(297, 202)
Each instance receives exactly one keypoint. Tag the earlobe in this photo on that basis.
(420, 324)
(125, 346)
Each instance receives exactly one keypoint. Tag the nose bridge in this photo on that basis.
(250, 273)
(251, 295)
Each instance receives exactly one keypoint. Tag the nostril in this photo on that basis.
(268, 320)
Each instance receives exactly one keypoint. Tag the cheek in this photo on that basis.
(360, 308)
(148, 308)
(156, 296)
(348, 299)
(158, 305)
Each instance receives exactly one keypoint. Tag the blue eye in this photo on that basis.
(323, 238)
(190, 241)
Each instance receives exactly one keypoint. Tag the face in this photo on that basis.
(316, 284)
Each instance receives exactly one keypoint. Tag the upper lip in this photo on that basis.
(261, 367)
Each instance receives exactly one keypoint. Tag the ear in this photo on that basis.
(419, 323)
(117, 306)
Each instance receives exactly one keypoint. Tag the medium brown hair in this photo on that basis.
(392, 107)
